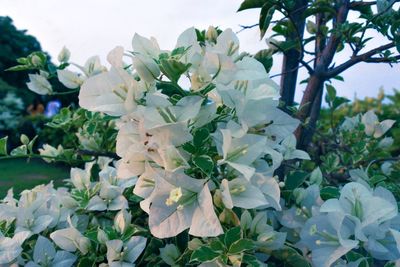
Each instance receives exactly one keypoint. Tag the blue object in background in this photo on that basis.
(52, 108)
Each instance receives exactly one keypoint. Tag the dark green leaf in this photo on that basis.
(377, 179)
(354, 256)
(248, 4)
(267, 11)
(329, 192)
(173, 68)
(240, 246)
(217, 245)
(232, 235)
(290, 257)
(264, 57)
(86, 262)
(204, 254)
(295, 179)
(205, 163)
(200, 137)
(338, 101)
(331, 93)
(251, 260)
(3, 146)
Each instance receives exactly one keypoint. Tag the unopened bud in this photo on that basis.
(36, 61)
(211, 34)
(64, 55)
(24, 139)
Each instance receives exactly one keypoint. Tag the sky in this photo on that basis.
(94, 27)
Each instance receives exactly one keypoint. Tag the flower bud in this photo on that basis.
(64, 55)
(194, 244)
(211, 34)
(122, 221)
(36, 61)
(83, 244)
(102, 236)
(24, 139)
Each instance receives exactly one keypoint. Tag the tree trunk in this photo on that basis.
(325, 51)
(292, 57)
(310, 108)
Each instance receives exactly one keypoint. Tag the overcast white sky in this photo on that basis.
(94, 27)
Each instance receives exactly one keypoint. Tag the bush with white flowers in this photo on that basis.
(199, 136)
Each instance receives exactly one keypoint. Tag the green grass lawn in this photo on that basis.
(22, 174)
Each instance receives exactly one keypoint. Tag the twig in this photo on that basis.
(84, 152)
(356, 59)
(245, 27)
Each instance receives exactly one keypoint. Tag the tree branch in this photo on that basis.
(245, 27)
(357, 59)
(354, 5)
(84, 152)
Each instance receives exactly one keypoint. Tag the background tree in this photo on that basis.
(329, 30)
(14, 44)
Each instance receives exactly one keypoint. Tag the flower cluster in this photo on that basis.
(199, 138)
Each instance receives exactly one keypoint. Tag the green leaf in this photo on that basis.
(204, 254)
(200, 137)
(3, 146)
(267, 11)
(377, 179)
(354, 256)
(290, 257)
(86, 262)
(264, 57)
(189, 148)
(22, 60)
(179, 51)
(251, 260)
(19, 68)
(19, 151)
(240, 246)
(205, 163)
(232, 235)
(295, 179)
(331, 93)
(31, 143)
(338, 101)
(329, 192)
(173, 68)
(339, 78)
(248, 4)
(217, 245)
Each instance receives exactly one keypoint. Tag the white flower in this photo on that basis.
(39, 84)
(122, 253)
(70, 79)
(44, 254)
(146, 67)
(81, 178)
(10, 248)
(109, 198)
(111, 92)
(372, 125)
(289, 151)
(241, 193)
(194, 208)
(70, 239)
(239, 153)
(50, 151)
(145, 46)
